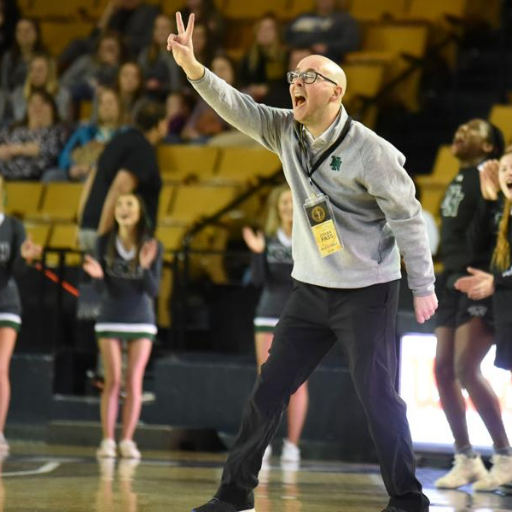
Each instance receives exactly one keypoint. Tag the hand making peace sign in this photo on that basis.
(182, 49)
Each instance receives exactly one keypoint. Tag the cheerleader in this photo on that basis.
(127, 268)
(497, 283)
(15, 249)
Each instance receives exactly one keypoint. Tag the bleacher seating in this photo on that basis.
(396, 45)
(367, 10)
(58, 34)
(501, 116)
(59, 202)
(22, 199)
(179, 161)
(194, 201)
(364, 81)
(433, 186)
(235, 9)
(241, 164)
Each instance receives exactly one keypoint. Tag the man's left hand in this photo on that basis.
(425, 307)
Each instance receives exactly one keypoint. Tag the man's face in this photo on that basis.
(311, 101)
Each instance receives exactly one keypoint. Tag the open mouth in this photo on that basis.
(299, 100)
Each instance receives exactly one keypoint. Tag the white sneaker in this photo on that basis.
(290, 453)
(128, 449)
(500, 473)
(107, 449)
(465, 471)
(267, 454)
(4, 445)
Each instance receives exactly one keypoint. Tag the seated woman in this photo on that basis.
(41, 75)
(97, 69)
(27, 149)
(86, 144)
(161, 73)
(15, 61)
(204, 122)
(266, 61)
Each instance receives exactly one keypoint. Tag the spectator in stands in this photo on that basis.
(271, 268)
(206, 47)
(127, 266)
(9, 17)
(133, 19)
(128, 164)
(16, 60)
(83, 149)
(327, 30)
(16, 250)
(206, 13)
(91, 71)
(265, 63)
(496, 186)
(464, 326)
(204, 123)
(179, 107)
(41, 76)
(161, 74)
(130, 86)
(352, 219)
(29, 148)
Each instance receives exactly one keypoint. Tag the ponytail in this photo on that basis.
(501, 255)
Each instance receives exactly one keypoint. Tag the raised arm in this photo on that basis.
(258, 121)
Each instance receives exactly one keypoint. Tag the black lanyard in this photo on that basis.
(304, 152)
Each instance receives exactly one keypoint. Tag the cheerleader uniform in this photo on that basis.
(459, 209)
(502, 304)
(12, 235)
(127, 293)
(272, 270)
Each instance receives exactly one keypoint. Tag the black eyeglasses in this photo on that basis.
(308, 77)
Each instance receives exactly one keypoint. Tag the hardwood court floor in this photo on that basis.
(38, 478)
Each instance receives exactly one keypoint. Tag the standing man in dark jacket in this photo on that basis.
(127, 164)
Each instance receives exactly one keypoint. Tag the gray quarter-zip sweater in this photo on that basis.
(372, 196)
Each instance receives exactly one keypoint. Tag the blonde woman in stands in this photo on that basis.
(41, 75)
(271, 268)
(85, 146)
(15, 250)
(127, 269)
(496, 177)
(266, 61)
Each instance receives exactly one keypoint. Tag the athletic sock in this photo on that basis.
(467, 451)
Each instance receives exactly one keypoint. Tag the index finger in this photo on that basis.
(179, 23)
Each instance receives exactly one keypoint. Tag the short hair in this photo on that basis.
(147, 114)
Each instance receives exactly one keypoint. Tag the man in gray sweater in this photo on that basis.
(355, 208)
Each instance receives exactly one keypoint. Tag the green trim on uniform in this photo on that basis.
(264, 328)
(129, 336)
(8, 323)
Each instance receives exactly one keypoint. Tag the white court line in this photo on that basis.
(45, 468)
